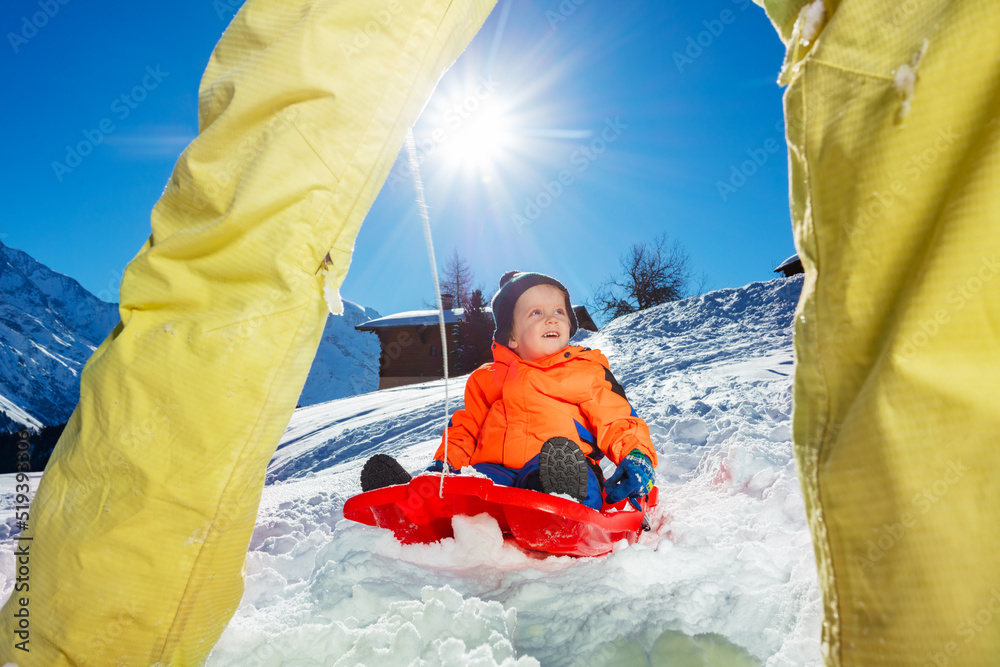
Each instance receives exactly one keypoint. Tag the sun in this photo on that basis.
(480, 141)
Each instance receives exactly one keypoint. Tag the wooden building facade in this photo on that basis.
(412, 349)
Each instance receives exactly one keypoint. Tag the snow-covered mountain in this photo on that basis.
(347, 361)
(50, 325)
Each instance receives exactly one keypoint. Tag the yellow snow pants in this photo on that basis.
(893, 125)
(138, 531)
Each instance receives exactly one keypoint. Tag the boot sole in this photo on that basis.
(562, 468)
(380, 471)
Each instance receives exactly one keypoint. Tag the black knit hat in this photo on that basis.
(512, 285)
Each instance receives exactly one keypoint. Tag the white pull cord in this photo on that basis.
(418, 184)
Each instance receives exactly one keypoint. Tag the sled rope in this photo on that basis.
(418, 185)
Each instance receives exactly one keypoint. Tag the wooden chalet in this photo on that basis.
(411, 343)
(790, 266)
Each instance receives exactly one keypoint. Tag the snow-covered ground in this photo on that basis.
(726, 576)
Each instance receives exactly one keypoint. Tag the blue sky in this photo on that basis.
(565, 133)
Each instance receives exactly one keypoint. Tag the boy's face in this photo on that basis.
(541, 323)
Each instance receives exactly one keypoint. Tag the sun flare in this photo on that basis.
(480, 141)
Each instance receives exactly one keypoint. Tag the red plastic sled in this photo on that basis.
(415, 513)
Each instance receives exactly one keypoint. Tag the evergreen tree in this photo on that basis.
(41, 446)
(474, 334)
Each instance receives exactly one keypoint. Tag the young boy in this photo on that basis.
(544, 413)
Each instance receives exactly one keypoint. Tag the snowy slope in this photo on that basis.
(49, 327)
(727, 577)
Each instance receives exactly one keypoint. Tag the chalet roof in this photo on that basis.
(788, 263)
(429, 318)
(415, 318)
(790, 266)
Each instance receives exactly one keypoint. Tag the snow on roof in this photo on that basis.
(414, 318)
(788, 262)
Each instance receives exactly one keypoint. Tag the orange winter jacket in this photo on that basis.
(512, 406)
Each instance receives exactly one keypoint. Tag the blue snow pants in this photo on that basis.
(527, 478)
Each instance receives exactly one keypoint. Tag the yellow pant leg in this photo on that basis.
(138, 531)
(892, 114)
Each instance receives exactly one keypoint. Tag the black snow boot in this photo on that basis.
(382, 470)
(562, 468)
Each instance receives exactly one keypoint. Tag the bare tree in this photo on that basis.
(702, 285)
(457, 279)
(651, 274)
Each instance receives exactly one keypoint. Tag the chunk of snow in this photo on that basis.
(813, 16)
(332, 293)
(906, 79)
(690, 431)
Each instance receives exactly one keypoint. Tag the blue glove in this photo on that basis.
(632, 480)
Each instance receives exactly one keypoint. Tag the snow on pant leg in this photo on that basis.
(527, 478)
(893, 122)
(139, 528)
